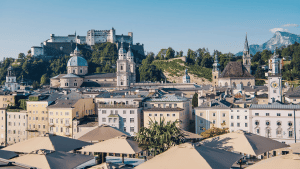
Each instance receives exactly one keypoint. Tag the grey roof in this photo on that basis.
(77, 61)
(53, 97)
(275, 105)
(164, 109)
(101, 75)
(70, 75)
(215, 103)
(58, 76)
(168, 98)
(63, 104)
(235, 70)
(7, 154)
(10, 164)
(264, 95)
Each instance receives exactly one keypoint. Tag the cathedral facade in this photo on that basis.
(235, 72)
(77, 73)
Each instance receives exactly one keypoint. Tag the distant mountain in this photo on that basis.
(279, 39)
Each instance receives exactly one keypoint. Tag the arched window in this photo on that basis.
(233, 85)
(80, 70)
(220, 84)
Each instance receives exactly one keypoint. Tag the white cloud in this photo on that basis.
(278, 29)
(290, 25)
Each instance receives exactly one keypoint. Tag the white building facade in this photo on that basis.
(239, 119)
(16, 127)
(277, 121)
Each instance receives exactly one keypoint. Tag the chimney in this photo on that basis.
(209, 103)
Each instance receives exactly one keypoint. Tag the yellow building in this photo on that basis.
(62, 113)
(212, 113)
(170, 102)
(38, 123)
(6, 100)
(3, 133)
(166, 114)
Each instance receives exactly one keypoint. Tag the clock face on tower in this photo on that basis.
(274, 85)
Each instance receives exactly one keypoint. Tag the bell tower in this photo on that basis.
(215, 72)
(275, 79)
(246, 56)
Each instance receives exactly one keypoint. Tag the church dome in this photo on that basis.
(77, 61)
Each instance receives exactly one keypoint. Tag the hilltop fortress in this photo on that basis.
(64, 45)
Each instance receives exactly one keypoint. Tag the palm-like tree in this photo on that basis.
(159, 136)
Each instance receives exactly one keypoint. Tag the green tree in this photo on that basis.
(214, 131)
(35, 85)
(44, 79)
(160, 136)
(195, 100)
(170, 53)
(22, 103)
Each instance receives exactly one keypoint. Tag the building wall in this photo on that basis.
(71, 82)
(60, 119)
(16, 127)
(126, 118)
(205, 118)
(37, 51)
(3, 131)
(78, 70)
(262, 100)
(293, 100)
(215, 78)
(38, 123)
(6, 100)
(167, 116)
(54, 82)
(286, 117)
(275, 92)
(239, 119)
(230, 82)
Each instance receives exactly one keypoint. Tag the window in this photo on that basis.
(109, 120)
(238, 124)
(161, 115)
(246, 124)
(116, 111)
(150, 114)
(131, 120)
(257, 131)
(201, 114)
(103, 119)
(290, 114)
(75, 84)
(267, 114)
(238, 111)
(124, 112)
(155, 114)
(214, 121)
(237, 117)
(231, 117)
(290, 133)
(124, 120)
(115, 120)
(168, 115)
(61, 129)
(77, 114)
(278, 114)
(131, 111)
(290, 123)
(131, 129)
(173, 115)
(223, 114)
(201, 121)
(44, 126)
(214, 114)
(256, 114)
(175, 105)
(267, 123)
(232, 124)
(66, 113)
(124, 129)
(246, 117)
(278, 123)
(256, 122)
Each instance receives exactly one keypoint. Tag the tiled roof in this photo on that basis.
(101, 75)
(215, 104)
(234, 70)
(275, 105)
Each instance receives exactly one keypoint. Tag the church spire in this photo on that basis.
(246, 46)
(216, 63)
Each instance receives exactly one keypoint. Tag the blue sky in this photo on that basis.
(157, 24)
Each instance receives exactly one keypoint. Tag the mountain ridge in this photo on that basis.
(279, 39)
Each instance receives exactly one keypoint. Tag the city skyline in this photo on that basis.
(214, 25)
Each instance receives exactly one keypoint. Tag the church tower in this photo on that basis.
(125, 68)
(275, 79)
(215, 72)
(246, 56)
(11, 80)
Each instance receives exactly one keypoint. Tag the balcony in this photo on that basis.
(67, 124)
